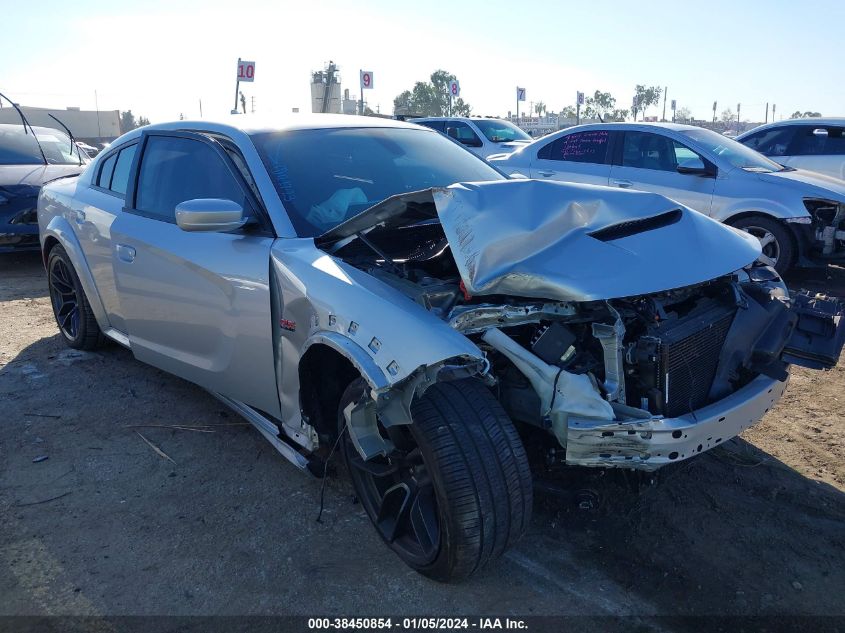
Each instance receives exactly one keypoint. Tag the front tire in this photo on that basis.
(73, 313)
(456, 492)
(775, 240)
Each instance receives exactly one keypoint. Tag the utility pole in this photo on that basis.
(774, 105)
(200, 108)
(97, 105)
(237, 89)
(252, 104)
(767, 112)
(738, 106)
(665, 91)
(714, 112)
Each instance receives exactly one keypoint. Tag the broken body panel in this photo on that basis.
(667, 340)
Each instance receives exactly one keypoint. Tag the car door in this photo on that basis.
(196, 304)
(464, 134)
(648, 161)
(100, 205)
(576, 157)
(819, 148)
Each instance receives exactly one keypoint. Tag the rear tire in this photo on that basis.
(468, 476)
(775, 238)
(73, 313)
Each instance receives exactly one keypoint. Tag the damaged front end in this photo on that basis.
(627, 331)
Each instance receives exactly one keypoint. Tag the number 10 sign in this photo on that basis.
(246, 71)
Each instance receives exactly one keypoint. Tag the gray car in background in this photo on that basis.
(366, 286)
(798, 216)
(815, 144)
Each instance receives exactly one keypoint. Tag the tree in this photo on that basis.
(539, 108)
(805, 115)
(431, 98)
(568, 112)
(602, 105)
(683, 114)
(128, 122)
(645, 97)
(728, 116)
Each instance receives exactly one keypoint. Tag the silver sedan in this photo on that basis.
(798, 216)
(330, 281)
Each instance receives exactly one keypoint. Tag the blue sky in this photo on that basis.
(160, 58)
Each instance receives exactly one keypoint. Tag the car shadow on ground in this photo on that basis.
(187, 521)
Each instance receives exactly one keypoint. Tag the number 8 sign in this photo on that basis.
(366, 79)
(455, 88)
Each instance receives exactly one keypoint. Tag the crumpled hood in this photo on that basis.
(573, 242)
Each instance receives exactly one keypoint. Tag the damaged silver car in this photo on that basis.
(368, 287)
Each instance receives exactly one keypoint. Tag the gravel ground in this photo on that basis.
(107, 526)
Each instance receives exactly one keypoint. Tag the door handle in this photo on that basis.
(125, 253)
(622, 183)
(546, 173)
(79, 216)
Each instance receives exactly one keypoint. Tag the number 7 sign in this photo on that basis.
(520, 94)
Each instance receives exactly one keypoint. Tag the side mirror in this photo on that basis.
(694, 167)
(209, 214)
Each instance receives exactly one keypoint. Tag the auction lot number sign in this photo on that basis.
(246, 71)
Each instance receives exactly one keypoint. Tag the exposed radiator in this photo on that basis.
(685, 356)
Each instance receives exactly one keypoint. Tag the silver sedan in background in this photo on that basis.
(798, 216)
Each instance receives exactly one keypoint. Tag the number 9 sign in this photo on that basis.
(366, 79)
(455, 88)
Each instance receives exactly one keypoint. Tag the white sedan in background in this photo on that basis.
(814, 144)
(798, 216)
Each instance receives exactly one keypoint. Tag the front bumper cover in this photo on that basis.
(648, 444)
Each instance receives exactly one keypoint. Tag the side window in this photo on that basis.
(821, 140)
(581, 147)
(106, 171)
(645, 150)
(771, 142)
(440, 126)
(121, 169)
(175, 169)
(463, 133)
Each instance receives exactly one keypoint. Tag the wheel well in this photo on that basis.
(49, 243)
(324, 375)
(797, 247)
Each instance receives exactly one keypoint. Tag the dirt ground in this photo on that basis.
(106, 525)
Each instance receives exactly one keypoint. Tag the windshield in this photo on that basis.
(18, 148)
(330, 175)
(499, 131)
(735, 153)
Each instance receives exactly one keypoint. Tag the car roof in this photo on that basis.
(457, 118)
(18, 127)
(621, 125)
(251, 124)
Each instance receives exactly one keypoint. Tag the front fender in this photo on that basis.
(760, 206)
(59, 228)
(383, 333)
